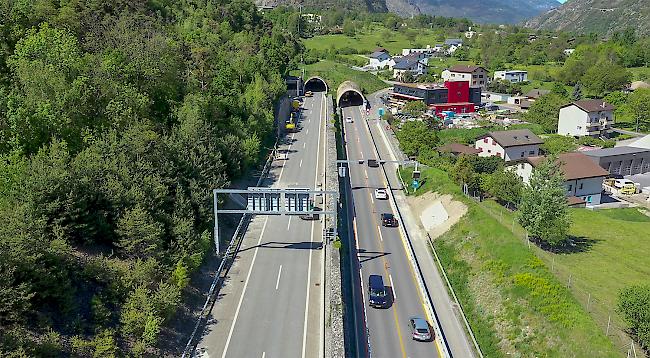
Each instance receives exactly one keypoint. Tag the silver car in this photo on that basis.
(420, 330)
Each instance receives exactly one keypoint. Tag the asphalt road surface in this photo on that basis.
(271, 304)
(381, 251)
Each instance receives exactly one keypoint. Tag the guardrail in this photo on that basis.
(442, 346)
(226, 260)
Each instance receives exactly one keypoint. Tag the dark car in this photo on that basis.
(373, 163)
(420, 330)
(388, 219)
(377, 291)
(313, 216)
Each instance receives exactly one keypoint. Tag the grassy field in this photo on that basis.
(368, 39)
(515, 304)
(334, 73)
(640, 73)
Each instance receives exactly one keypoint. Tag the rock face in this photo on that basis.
(600, 16)
(482, 11)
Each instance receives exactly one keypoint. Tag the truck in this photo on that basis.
(291, 124)
(620, 186)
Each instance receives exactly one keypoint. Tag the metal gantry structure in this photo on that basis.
(272, 201)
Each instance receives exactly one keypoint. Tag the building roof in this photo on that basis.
(405, 63)
(464, 68)
(512, 71)
(592, 105)
(515, 138)
(536, 93)
(378, 54)
(458, 148)
(607, 152)
(574, 165)
(453, 41)
(380, 49)
(643, 142)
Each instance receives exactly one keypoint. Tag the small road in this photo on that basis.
(271, 304)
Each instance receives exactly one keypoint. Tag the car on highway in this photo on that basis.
(312, 216)
(388, 219)
(309, 94)
(381, 194)
(420, 330)
(377, 296)
(373, 163)
(348, 119)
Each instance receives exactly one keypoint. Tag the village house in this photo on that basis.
(509, 145)
(380, 60)
(476, 75)
(513, 76)
(590, 117)
(583, 179)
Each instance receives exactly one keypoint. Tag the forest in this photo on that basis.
(117, 118)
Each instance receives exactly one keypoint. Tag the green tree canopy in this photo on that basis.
(546, 111)
(543, 210)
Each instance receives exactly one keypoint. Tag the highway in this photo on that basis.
(271, 304)
(381, 250)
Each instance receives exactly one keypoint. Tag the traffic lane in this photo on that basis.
(384, 153)
(412, 303)
(264, 315)
(384, 330)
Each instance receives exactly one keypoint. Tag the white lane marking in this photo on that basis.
(372, 199)
(307, 132)
(277, 283)
(300, 163)
(392, 286)
(289, 223)
(304, 145)
(379, 230)
(263, 354)
(241, 298)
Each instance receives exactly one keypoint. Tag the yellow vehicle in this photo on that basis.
(309, 94)
(295, 104)
(290, 124)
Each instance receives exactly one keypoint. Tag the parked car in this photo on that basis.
(381, 194)
(388, 220)
(420, 330)
(348, 119)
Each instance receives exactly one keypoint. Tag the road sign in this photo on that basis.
(381, 112)
(415, 184)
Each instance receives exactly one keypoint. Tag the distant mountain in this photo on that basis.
(599, 16)
(481, 11)
(486, 11)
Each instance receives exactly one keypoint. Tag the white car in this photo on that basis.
(381, 194)
(348, 119)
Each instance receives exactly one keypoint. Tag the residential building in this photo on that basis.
(437, 93)
(470, 33)
(583, 178)
(625, 160)
(513, 76)
(476, 75)
(568, 51)
(412, 64)
(590, 117)
(509, 145)
(380, 49)
(424, 51)
(379, 60)
(456, 42)
(456, 149)
(438, 47)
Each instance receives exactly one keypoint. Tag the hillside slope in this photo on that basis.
(599, 16)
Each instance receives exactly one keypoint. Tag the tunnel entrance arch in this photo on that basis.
(316, 84)
(349, 94)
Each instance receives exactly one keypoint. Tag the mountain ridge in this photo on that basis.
(599, 16)
(480, 11)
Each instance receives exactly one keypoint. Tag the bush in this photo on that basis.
(634, 305)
